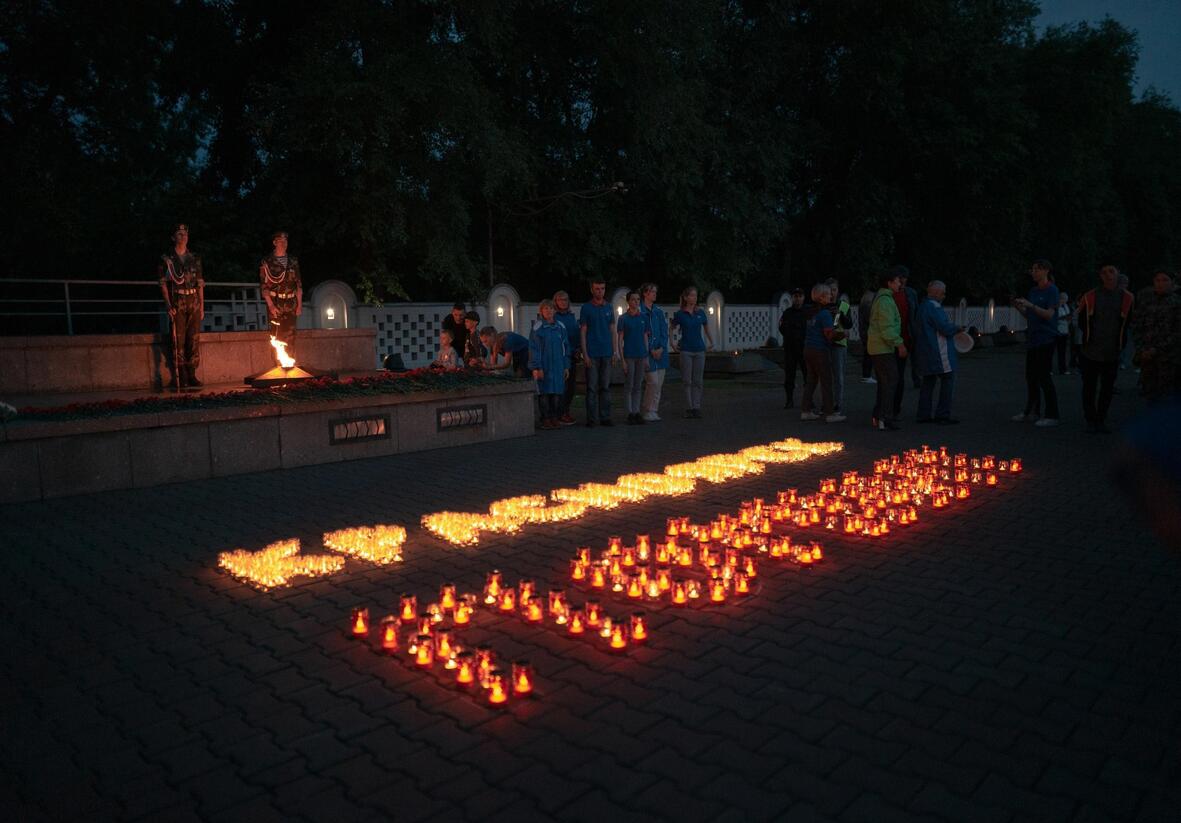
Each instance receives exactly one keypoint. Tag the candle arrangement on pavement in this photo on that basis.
(276, 564)
(429, 640)
(689, 565)
(510, 514)
(381, 544)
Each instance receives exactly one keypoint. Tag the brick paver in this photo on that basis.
(1015, 658)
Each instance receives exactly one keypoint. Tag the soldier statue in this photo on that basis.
(183, 285)
(282, 290)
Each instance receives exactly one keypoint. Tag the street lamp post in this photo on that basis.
(537, 205)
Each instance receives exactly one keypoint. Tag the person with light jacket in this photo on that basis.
(887, 349)
(935, 355)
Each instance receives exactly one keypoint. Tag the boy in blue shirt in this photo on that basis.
(549, 360)
(506, 350)
(600, 349)
(633, 341)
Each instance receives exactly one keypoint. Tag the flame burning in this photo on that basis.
(285, 360)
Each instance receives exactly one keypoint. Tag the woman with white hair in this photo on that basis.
(819, 338)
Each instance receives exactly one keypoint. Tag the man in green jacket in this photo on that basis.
(884, 340)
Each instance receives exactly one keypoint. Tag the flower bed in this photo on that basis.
(322, 388)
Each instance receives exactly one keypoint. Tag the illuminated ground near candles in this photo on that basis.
(1006, 657)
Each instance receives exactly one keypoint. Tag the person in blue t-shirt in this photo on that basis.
(506, 350)
(565, 315)
(549, 360)
(694, 325)
(633, 342)
(1040, 310)
(600, 350)
(657, 352)
(820, 336)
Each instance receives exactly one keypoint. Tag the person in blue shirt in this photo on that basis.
(600, 350)
(820, 336)
(633, 343)
(549, 361)
(694, 325)
(935, 354)
(506, 350)
(565, 315)
(1040, 310)
(657, 352)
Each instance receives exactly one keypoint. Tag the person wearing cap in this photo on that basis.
(455, 322)
(793, 326)
(282, 290)
(473, 349)
(182, 282)
(935, 354)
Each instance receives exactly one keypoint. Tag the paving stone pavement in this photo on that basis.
(1012, 659)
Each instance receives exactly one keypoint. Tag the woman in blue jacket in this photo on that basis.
(935, 355)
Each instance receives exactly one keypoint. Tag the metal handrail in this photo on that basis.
(69, 302)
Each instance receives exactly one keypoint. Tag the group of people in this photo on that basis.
(896, 329)
(182, 284)
(639, 340)
(1105, 323)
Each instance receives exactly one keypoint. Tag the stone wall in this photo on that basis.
(108, 362)
(40, 460)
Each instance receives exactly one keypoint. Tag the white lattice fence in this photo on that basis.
(407, 329)
(748, 327)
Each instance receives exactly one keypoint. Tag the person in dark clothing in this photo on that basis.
(1104, 314)
(907, 301)
(455, 323)
(1040, 311)
(863, 308)
(282, 290)
(473, 350)
(792, 327)
(182, 282)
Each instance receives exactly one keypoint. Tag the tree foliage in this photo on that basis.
(763, 143)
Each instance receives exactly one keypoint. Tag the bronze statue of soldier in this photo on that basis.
(182, 283)
(282, 290)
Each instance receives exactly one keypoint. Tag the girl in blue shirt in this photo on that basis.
(632, 327)
(693, 323)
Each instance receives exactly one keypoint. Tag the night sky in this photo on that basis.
(1157, 23)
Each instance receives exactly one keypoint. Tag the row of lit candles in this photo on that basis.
(277, 563)
(431, 644)
(510, 514)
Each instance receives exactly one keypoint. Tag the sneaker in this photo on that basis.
(566, 420)
(652, 417)
(606, 422)
(946, 421)
(590, 424)
(835, 418)
(1046, 422)
(924, 420)
(809, 416)
(890, 425)
(1023, 417)
(868, 380)
(697, 414)
(688, 414)
(550, 423)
